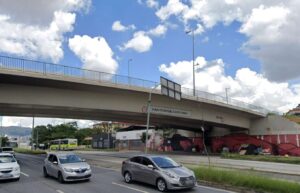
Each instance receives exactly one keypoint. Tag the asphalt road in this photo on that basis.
(276, 170)
(104, 180)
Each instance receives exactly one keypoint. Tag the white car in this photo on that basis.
(9, 167)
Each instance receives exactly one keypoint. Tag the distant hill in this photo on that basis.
(15, 131)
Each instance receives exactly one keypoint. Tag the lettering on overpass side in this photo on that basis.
(168, 111)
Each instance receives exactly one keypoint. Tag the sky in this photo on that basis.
(249, 46)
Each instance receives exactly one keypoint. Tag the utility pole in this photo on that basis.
(149, 107)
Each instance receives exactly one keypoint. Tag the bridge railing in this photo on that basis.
(25, 65)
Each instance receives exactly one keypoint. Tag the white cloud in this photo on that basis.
(159, 30)
(199, 29)
(117, 26)
(246, 85)
(271, 26)
(95, 53)
(152, 3)
(149, 3)
(37, 28)
(27, 121)
(274, 40)
(205, 39)
(173, 7)
(140, 42)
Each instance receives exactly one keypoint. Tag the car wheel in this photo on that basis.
(127, 177)
(60, 178)
(161, 185)
(17, 179)
(45, 172)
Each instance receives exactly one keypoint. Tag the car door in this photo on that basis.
(134, 167)
(148, 175)
(48, 163)
(54, 166)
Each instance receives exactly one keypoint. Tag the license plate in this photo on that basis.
(188, 182)
(6, 176)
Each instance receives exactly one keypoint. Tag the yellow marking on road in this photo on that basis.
(128, 187)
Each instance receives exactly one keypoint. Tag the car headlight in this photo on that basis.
(170, 175)
(68, 169)
(193, 174)
(88, 168)
(17, 169)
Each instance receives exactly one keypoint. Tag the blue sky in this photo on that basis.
(224, 41)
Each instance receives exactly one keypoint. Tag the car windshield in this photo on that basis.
(165, 162)
(7, 149)
(7, 159)
(65, 159)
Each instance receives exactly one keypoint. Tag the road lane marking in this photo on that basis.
(25, 174)
(124, 186)
(59, 191)
(210, 188)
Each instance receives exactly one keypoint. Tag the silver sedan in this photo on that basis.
(66, 167)
(160, 171)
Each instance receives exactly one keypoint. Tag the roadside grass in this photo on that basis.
(29, 151)
(267, 158)
(245, 180)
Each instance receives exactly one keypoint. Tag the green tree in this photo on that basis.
(4, 141)
(68, 130)
(81, 134)
(43, 133)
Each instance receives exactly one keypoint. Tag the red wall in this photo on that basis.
(282, 144)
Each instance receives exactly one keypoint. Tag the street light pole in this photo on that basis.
(204, 144)
(128, 68)
(194, 84)
(32, 132)
(226, 90)
(149, 106)
(1, 130)
(193, 38)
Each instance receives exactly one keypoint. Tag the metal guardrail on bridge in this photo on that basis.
(46, 68)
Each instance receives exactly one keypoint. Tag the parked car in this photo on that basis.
(9, 167)
(7, 150)
(161, 171)
(66, 167)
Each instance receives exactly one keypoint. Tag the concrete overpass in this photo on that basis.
(31, 88)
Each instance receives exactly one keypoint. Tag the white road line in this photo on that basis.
(124, 186)
(59, 191)
(210, 188)
(25, 174)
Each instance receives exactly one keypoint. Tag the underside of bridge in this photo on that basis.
(161, 121)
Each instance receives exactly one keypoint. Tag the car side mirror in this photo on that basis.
(151, 166)
(55, 163)
(83, 160)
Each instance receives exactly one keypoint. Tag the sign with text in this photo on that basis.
(168, 111)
